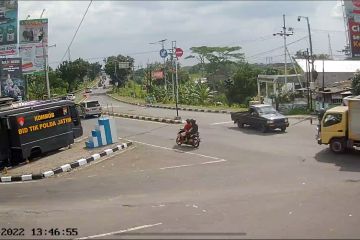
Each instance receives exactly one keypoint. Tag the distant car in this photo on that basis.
(89, 108)
(88, 90)
(70, 96)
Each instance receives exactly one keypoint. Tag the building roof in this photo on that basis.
(280, 78)
(346, 66)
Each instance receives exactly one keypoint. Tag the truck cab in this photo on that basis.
(339, 127)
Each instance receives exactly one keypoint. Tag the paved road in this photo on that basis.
(239, 182)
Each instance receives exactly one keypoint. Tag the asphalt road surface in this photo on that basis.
(239, 184)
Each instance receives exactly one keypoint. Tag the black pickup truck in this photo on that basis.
(261, 116)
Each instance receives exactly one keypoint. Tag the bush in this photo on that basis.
(298, 111)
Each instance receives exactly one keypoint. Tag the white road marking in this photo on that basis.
(191, 165)
(221, 160)
(121, 231)
(177, 150)
(178, 166)
(219, 123)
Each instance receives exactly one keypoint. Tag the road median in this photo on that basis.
(145, 118)
(169, 107)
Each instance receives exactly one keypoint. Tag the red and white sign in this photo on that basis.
(8, 50)
(178, 52)
(21, 121)
(157, 74)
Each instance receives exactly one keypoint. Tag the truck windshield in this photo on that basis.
(266, 110)
(332, 119)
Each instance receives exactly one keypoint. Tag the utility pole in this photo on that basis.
(45, 52)
(285, 34)
(310, 43)
(306, 55)
(330, 49)
(69, 55)
(41, 15)
(323, 84)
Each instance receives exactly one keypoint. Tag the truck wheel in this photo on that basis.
(263, 128)
(240, 125)
(283, 129)
(337, 145)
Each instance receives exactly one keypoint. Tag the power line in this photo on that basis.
(321, 30)
(129, 54)
(280, 47)
(72, 40)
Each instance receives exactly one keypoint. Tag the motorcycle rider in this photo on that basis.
(184, 132)
(194, 128)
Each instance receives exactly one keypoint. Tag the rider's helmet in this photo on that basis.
(187, 121)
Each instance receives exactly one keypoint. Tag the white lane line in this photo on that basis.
(178, 166)
(176, 150)
(191, 165)
(218, 123)
(221, 160)
(121, 231)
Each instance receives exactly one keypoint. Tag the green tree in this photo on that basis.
(203, 94)
(216, 56)
(322, 56)
(118, 75)
(245, 84)
(73, 72)
(356, 84)
(94, 70)
(37, 86)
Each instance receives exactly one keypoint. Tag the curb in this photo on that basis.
(66, 167)
(301, 117)
(173, 108)
(153, 119)
(200, 110)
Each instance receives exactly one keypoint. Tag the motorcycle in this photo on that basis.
(193, 140)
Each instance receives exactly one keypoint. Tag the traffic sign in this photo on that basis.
(179, 52)
(163, 53)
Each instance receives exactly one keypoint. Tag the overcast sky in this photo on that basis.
(124, 27)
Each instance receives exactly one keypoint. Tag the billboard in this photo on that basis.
(352, 11)
(12, 83)
(33, 38)
(8, 27)
(354, 34)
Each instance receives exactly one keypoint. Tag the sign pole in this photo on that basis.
(177, 85)
(172, 70)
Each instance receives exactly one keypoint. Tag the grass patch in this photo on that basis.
(299, 111)
(212, 107)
